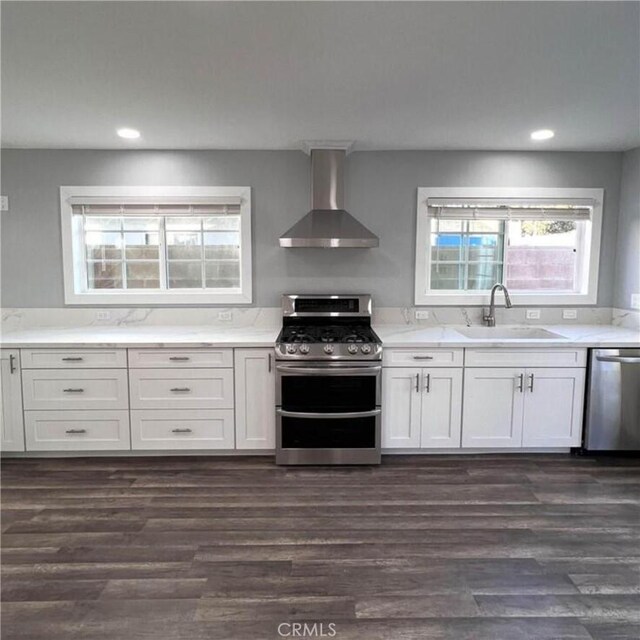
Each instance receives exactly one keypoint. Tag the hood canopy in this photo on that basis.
(328, 225)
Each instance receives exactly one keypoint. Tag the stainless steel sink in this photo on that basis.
(509, 333)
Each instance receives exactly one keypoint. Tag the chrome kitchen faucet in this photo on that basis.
(489, 316)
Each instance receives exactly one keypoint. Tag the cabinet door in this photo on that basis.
(441, 414)
(255, 399)
(553, 407)
(401, 401)
(493, 408)
(11, 418)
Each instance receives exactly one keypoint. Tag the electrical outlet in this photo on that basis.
(569, 314)
(103, 315)
(533, 314)
(635, 300)
(4, 203)
(422, 314)
(225, 316)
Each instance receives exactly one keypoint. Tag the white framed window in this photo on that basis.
(542, 243)
(156, 245)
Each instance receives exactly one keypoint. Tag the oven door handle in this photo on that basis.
(328, 416)
(331, 371)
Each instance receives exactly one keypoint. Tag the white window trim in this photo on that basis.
(75, 292)
(424, 297)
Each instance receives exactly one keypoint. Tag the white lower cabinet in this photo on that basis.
(421, 408)
(11, 417)
(493, 407)
(255, 389)
(513, 407)
(553, 408)
(77, 430)
(190, 429)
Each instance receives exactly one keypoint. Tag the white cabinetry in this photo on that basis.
(421, 408)
(255, 398)
(11, 418)
(517, 406)
(181, 399)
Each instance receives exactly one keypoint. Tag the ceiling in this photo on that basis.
(243, 75)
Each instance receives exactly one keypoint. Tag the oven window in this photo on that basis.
(328, 394)
(321, 433)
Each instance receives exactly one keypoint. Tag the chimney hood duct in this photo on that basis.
(328, 225)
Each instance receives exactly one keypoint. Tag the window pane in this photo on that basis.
(222, 245)
(485, 248)
(136, 223)
(483, 276)
(103, 223)
(104, 275)
(222, 223)
(143, 275)
(103, 245)
(486, 226)
(446, 247)
(185, 275)
(542, 255)
(184, 246)
(447, 276)
(222, 275)
(140, 246)
(183, 223)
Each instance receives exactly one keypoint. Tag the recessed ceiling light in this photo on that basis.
(128, 134)
(542, 134)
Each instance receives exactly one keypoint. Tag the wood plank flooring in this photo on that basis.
(449, 547)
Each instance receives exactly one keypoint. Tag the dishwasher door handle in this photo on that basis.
(619, 359)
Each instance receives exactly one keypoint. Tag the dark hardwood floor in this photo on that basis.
(461, 548)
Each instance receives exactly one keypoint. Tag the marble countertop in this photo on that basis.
(391, 335)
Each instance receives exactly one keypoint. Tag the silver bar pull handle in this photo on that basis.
(181, 431)
(521, 383)
(531, 382)
(73, 359)
(620, 359)
(12, 363)
(73, 390)
(180, 389)
(427, 384)
(179, 358)
(417, 382)
(328, 416)
(423, 357)
(76, 431)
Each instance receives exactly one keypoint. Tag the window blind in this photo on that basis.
(511, 209)
(167, 207)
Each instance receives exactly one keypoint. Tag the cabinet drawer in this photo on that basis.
(550, 357)
(422, 357)
(89, 389)
(74, 358)
(77, 430)
(191, 429)
(183, 389)
(187, 358)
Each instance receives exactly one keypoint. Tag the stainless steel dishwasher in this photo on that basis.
(613, 401)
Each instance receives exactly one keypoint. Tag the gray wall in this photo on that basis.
(627, 275)
(381, 193)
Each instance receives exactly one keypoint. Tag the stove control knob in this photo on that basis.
(291, 348)
(352, 348)
(365, 348)
(328, 348)
(304, 349)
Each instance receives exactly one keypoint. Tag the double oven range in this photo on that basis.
(328, 366)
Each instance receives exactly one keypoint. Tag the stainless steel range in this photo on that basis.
(328, 365)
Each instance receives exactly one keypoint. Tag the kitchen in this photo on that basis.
(346, 353)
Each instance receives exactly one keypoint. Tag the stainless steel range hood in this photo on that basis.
(328, 225)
